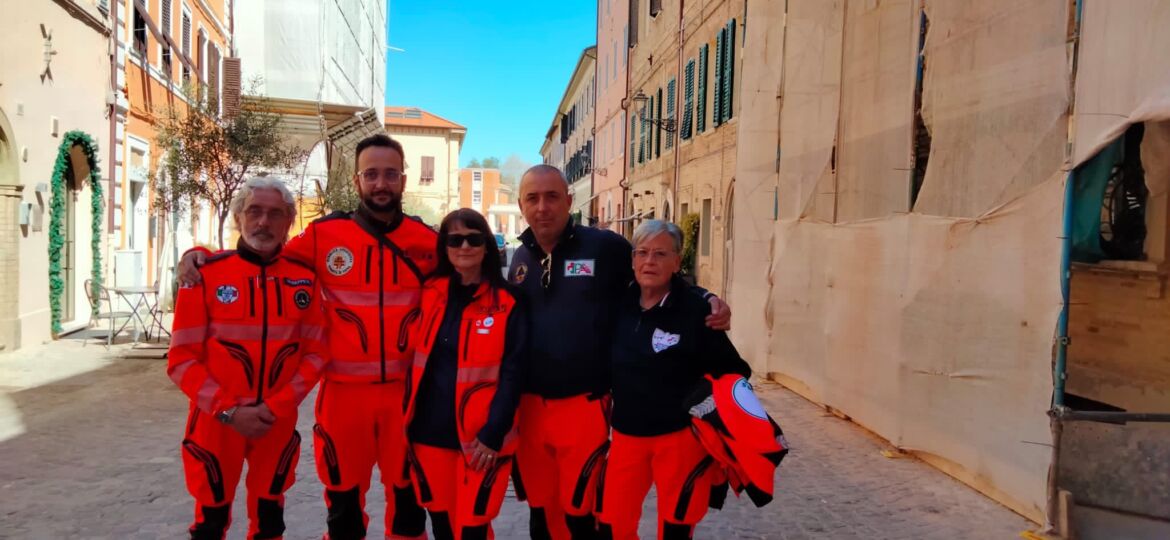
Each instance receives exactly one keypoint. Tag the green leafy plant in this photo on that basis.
(690, 230)
(209, 156)
(61, 167)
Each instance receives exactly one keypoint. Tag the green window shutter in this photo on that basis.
(717, 101)
(649, 127)
(701, 98)
(688, 100)
(729, 70)
(642, 136)
(658, 126)
(670, 104)
(633, 124)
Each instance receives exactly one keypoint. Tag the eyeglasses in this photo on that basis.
(546, 271)
(273, 214)
(473, 240)
(371, 176)
(655, 255)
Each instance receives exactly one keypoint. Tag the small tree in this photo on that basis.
(209, 157)
(491, 163)
(413, 205)
(474, 164)
(512, 169)
(339, 193)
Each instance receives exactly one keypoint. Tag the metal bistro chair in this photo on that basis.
(156, 316)
(99, 297)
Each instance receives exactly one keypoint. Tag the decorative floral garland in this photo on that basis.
(57, 220)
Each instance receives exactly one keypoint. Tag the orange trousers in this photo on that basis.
(679, 468)
(559, 462)
(213, 458)
(462, 502)
(360, 425)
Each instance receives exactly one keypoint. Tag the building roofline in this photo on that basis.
(574, 80)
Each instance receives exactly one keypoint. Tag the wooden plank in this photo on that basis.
(1119, 325)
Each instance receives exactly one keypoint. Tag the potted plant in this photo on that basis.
(690, 230)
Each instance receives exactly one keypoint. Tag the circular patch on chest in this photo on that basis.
(339, 261)
(227, 294)
(302, 298)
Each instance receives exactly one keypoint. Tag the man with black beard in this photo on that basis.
(371, 264)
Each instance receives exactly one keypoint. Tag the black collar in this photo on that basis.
(367, 216)
(567, 235)
(248, 254)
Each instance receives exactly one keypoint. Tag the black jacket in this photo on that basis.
(660, 355)
(571, 318)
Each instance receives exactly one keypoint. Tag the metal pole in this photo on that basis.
(1059, 371)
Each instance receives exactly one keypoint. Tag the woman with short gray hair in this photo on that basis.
(662, 349)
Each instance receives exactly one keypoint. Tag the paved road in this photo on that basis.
(89, 449)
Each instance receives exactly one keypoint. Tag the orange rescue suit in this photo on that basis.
(250, 333)
(371, 274)
(444, 482)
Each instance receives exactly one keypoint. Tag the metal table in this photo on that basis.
(138, 298)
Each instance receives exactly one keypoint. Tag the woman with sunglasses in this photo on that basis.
(464, 386)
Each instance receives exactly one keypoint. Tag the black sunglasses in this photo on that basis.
(456, 240)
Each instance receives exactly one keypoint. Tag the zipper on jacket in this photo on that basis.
(466, 339)
(382, 309)
(252, 296)
(430, 328)
(263, 333)
(369, 261)
(279, 299)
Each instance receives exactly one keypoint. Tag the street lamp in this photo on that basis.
(666, 124)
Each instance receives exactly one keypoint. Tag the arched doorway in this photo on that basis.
(10, 200)
(76, 162)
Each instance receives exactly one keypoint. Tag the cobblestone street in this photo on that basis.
(91, 450)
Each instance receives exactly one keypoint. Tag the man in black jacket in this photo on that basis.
(574, 278)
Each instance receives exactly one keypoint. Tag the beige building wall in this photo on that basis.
(609, 140)
(653, 61)
(670, 175)
(580, 103)
(707, 159)
(441, 194)
(40, 101)
(569, 141)
(432, 144)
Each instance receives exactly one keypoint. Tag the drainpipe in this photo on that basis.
(111, 167)
(677, 113)
(1059, 370)
(1062, 340)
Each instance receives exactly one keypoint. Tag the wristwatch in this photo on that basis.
(225, 416)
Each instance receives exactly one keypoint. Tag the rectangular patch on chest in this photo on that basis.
(580, 268)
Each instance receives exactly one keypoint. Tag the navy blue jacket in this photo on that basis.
(660, 355)
(573, 308)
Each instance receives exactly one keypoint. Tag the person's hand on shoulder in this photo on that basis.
(189, 265)
(720, 317)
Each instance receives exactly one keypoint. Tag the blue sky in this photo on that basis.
(498, 67)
